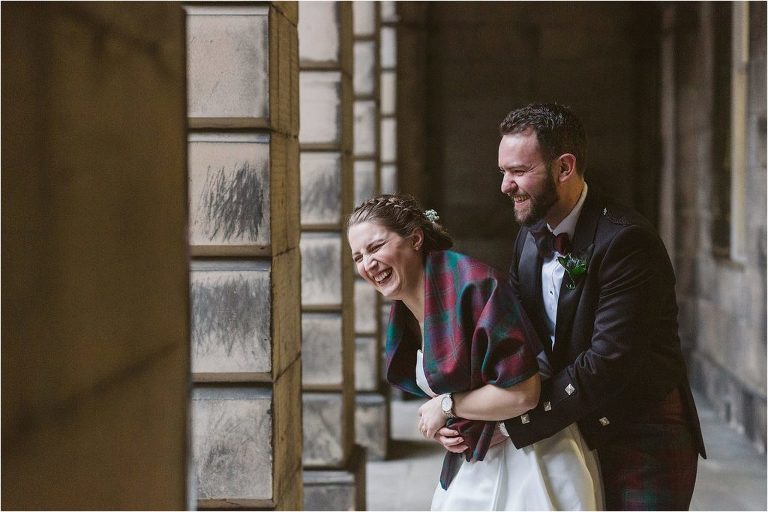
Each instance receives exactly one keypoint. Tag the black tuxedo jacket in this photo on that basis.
(617, 351)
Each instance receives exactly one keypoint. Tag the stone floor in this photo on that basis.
(733, 478)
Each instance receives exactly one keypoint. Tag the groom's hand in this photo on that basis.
(451, 440)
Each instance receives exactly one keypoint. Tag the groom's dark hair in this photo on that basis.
(558, 130)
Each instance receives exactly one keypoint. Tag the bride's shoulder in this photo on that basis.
(467, 266)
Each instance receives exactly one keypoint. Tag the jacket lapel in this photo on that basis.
(582, 247)
(529, 274)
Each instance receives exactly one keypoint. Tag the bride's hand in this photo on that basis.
(451, 440)
(431, 417)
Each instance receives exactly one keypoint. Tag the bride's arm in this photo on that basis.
(489, 403)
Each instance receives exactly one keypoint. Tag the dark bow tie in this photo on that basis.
(547, 242)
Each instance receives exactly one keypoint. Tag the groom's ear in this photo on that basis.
(566, 166)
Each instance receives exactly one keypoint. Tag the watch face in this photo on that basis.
(447, 404)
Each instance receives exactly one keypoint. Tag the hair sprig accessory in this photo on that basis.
(431, 215)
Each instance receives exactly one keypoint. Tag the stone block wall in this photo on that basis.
(465, 66)
(95, 361)
(244, 235)
(722, 295)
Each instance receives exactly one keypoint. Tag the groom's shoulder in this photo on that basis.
(621, 227)
(617, 216)
(620, 215)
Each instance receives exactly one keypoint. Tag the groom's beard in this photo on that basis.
(540, 204)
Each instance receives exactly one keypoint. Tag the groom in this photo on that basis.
(598, 286)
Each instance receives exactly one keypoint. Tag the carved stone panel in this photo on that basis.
(229, 197)
(388, 139)
(365, 68)
(319, 29)
(371, 425)
(388, 49)
(228, 61)
(230, 317)
(364, 16)
(365, 128)
(320, 188)
(365, 180)
(365, 308)
(388, 179)
(366, 364)
(388, 11)
(388, 90)
(330, 490)
(320, 269)
(320, 107)
(322, 429)
(232, 443)
(321, 346)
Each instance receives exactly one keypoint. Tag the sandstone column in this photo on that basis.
(388, 47)
(244, 236)
(388, 128)
(95, 360)
(334, 471)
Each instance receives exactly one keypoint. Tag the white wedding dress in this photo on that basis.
(557, 473)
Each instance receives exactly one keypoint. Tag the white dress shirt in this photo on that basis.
(552, 271)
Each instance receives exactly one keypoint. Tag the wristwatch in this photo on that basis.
(447, 405)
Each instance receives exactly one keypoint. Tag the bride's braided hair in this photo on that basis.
(402, 214)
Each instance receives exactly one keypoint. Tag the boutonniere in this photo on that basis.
(574, 267)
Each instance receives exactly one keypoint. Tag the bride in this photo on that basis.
(458, 334)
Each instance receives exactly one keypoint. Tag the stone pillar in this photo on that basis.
(244, 236)
(667, 129)
(372, 405)
(414, 80)
(388, 51)
(95, 351)
(388, 133)
(334, 471)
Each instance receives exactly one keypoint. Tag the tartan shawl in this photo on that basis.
(476, 333)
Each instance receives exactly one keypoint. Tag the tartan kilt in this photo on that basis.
(649, 467)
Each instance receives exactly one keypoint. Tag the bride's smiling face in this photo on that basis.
(389, 262)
